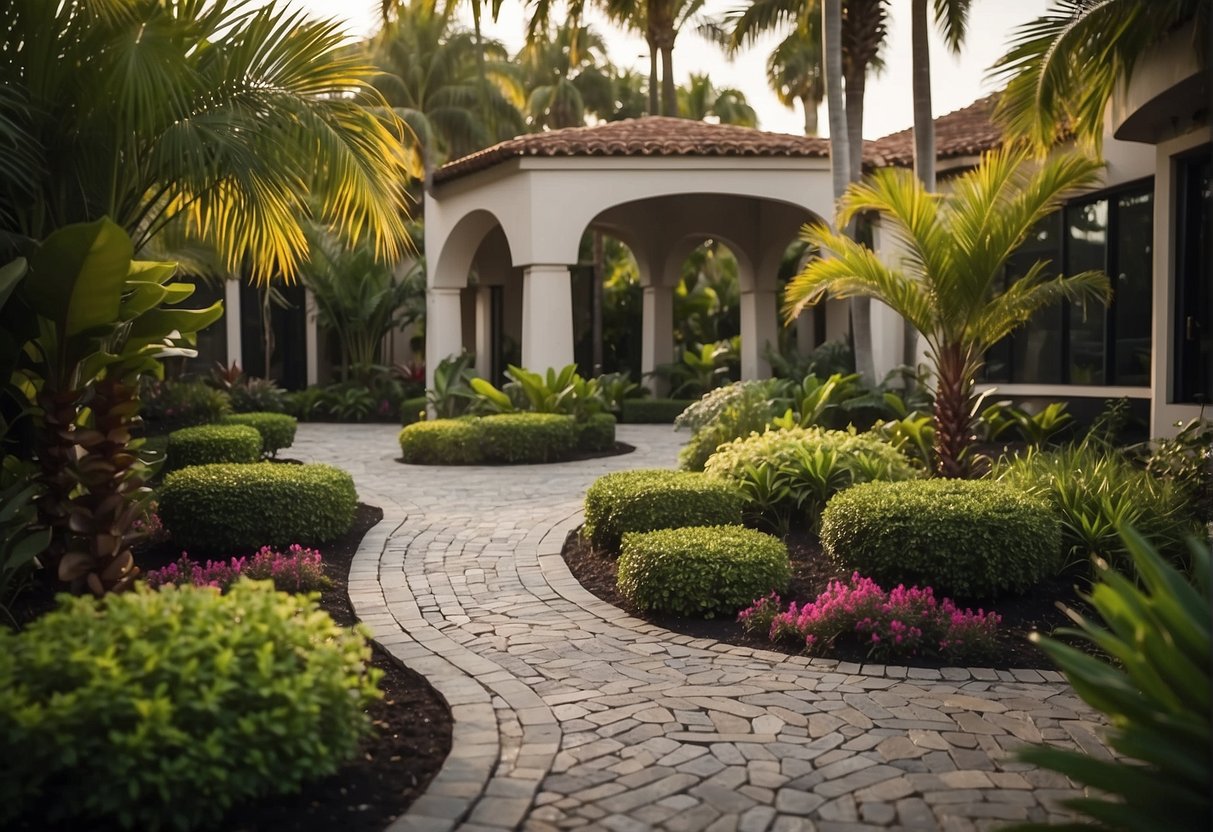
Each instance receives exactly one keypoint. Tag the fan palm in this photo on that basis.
(226, 118)
(1062, 68)
(949, 284)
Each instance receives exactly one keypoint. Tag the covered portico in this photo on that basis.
(514, 214)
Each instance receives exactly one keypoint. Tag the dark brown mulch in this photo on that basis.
(811, 572)
(618, 449)
(412, 725)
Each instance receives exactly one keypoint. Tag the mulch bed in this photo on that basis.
(412, 725)
(811, 572)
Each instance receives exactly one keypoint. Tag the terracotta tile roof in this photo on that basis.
(651, 136)
(966, 132)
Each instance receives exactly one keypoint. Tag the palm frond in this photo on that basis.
(1025, 297)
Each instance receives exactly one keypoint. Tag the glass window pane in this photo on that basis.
(1087, 239)
(1133, 287)
(1036, 347)
(1194, 281)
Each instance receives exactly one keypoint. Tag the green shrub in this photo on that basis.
(526, 437)
(972, 539)
(218, 508)
(411, 410)
(725, 414)
(596, 433)
(167, 405)
(653, 411)
(701, 571)
(442, 442)
(1096, 491)
(646, 500)
(204, 444)
(152, 710)
(258, 395)
(791, 470)
(277, 429)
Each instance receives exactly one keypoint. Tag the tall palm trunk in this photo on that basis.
(924, 134)
(654, 82)
(669, 92)
(810, 114)
(831, 47)
(952, 411)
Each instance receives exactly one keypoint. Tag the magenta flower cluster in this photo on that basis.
(295, 570)
(149, 526)
(897, 624)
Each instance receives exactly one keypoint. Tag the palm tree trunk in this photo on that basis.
(831, 47)
(861, 307)
(810, 115)
(953, 433)
(654, 83)
(924, 138)
(669, 93)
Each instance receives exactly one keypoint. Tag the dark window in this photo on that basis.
(1194, 285)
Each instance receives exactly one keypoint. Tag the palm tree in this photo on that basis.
(567, 75)
(952, 17)
(795, 73)
(432, 76)
(949, 284)
(1062, 68)
(700, 100)
(229, 122)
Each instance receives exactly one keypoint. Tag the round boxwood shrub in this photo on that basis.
(645, 500)
(277, 429)
(526, 437)
(153, 710)
(596, 433)
(701, 570)
(970, 539)
(442, 442)
(219, 508)
(205, 444)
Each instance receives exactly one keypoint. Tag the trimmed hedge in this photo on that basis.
(653, 411)
(646, 500)
(219, 508)
(596, 433)
(441, 442)
(971, 539)
(277, 429)
(206, 444)
(526, 437)
(164, 709)
(702, 570)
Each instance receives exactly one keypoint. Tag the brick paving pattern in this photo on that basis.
(570, 714)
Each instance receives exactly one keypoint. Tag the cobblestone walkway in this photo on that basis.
(571, 714)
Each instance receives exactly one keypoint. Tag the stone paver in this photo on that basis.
(570, 714)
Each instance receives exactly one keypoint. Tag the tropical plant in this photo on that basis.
(21, 540)
(701, 101)
(218, 120)
(102, 322)
(795, 73)
(1154, 687)
(947, 286)
(566, 75)
(1062, 68)
(452, 394)
(725, 414)
(701, 368)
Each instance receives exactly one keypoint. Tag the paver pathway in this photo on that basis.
(571, 714)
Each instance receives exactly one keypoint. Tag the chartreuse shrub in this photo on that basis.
(972, 539)
(217, 508)
(1154, 688)
(526, 437)
(795, 471)
(163, 709)
(441, 442)
(653, 411)
(644, 500)
(205, 444)
(1097, 490)
(701, 570)
(596, 432)
(277, 429)
(725, 414)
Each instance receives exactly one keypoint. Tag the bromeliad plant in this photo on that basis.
(948, 285)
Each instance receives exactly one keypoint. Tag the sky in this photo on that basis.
(956, 80)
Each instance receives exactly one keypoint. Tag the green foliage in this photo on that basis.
(413, 410)
(797, 470)
(1154, 689)
(163, 710)
(1037, 429)
(168, 405)
(1187, 461)
(1096, 491)
(826, 360)
(700, 369)
(224, 507)
(645, 500)
(653, 411)
(914, 435)
(441, 442)
(525, 437)
(615, 388)
(702, 570)
(205, 444)
(20, 539)
(277, 430)
(969, 539)
(451, 394)
(257, 395)
(724, 414)
(596, 433)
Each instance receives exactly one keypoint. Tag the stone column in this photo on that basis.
(484, 331)
(443, 328)
(547, 317)
(231, 322)
(759, 326)
(657, 328)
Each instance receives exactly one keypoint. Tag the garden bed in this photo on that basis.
(811, 572)
(618, 449)
(412, 724)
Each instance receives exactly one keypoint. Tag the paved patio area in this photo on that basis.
(571, 714)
